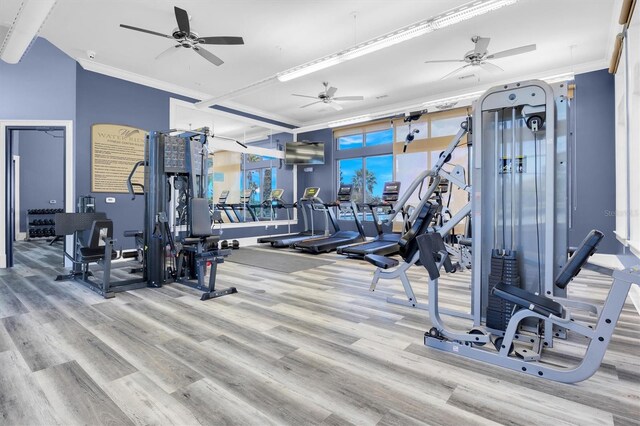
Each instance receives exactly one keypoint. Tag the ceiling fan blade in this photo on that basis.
(331, 91)
(454, 72)
(349, 98)
(142, 30)
(492, 68)
(312, 103)
(209, 56)
(511, 52)
(182, 17)
(335, 106)
(221, 40)
(304, 96)
(443, 61)
(481, 45)
(169, 50)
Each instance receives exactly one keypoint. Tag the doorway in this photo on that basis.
(37, 174)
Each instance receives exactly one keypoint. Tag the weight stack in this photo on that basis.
(504, 269)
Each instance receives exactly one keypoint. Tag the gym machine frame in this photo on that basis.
(437, 174)
(184, 159)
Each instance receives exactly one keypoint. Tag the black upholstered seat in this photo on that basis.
(539, 304)
(380, 261)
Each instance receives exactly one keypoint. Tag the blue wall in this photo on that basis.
(41, 175)
(41, 86)
(103, 99)
(593, 121)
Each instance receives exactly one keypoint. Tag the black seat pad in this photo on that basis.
(88, 254)
(539, 304)
(380, 261)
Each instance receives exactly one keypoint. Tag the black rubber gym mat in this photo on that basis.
(275, 261)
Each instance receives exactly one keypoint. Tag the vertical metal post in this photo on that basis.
(155, 261)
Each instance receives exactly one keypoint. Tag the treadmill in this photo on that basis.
(222, 205)
(338, 238)
(309, 198)
(385, 243)
(242, 208)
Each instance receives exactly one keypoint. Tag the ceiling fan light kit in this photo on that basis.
(451, 17)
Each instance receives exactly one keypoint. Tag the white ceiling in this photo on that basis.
(279, 34)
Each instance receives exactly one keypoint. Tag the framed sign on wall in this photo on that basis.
(114, 151)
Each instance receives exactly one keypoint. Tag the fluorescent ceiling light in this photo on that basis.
(24, 28)
(451, 17)
(348, 121)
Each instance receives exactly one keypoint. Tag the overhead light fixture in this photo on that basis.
(24, 29)
(349, 121)
(451, 17)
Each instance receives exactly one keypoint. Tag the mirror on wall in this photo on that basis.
(245, 185)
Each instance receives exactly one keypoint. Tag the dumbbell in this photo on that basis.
(235, 244)
(224, 244)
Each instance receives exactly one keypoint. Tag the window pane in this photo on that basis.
(379, 169)
(253, 183)
(379, 137)
(446, 126)
(350, 142)
(350, 172)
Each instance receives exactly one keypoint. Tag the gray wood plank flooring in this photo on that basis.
(314, 347)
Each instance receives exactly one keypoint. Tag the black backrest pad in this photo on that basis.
(429, 245)
(68, 223)
(408, 243)
(200, 219)
(99, 229)
(579, 258)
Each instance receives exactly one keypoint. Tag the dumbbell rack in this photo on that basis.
(41, 223)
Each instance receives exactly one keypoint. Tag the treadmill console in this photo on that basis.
(310, 193)
(344, 193)
(391, 192)
(276, 194)
(223, 197)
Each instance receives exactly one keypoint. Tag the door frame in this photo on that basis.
(69, 172)
(17, 235)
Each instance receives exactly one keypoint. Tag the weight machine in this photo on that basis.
(178, 238)
(434, 176)
(520, 269)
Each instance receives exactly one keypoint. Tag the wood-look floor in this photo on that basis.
(311, 347)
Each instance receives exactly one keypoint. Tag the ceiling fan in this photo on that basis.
(189, 39)
(479, 55)
(327, 97)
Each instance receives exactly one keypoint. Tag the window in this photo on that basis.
(359, 137)
(367, 175)
(379, 137)
(350, 141)
(350, 172)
